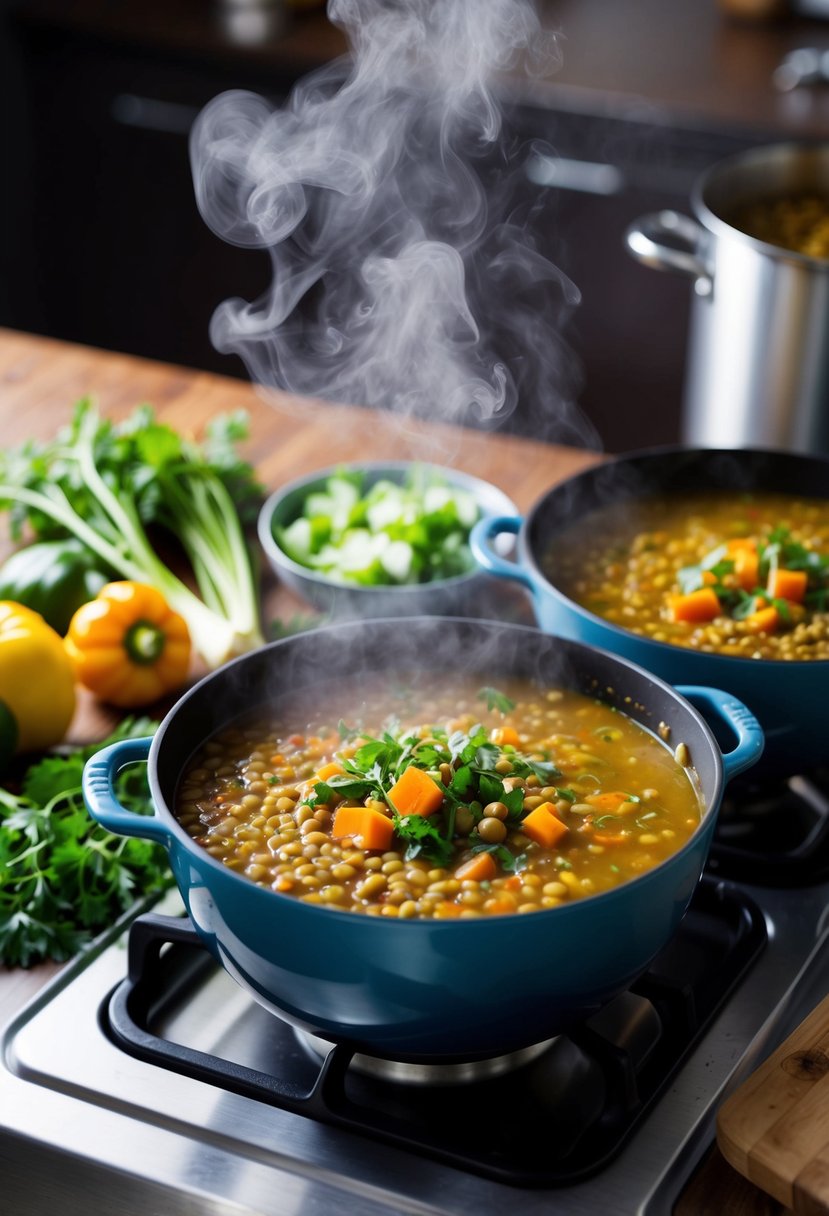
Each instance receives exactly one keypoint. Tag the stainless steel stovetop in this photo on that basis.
(86, 1128)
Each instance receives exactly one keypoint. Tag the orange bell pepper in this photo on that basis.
(127, 645)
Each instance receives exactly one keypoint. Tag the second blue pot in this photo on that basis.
(788, 698)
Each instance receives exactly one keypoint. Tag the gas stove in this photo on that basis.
(144, 1080)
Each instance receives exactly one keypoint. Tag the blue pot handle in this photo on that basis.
(485, 531)
(750, 738)
(99, 795)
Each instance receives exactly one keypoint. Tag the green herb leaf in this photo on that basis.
(490, 788)
(496, 700)
(604, 819)
(513, 800)
(509, 864)
(423, 839)
(461, 782)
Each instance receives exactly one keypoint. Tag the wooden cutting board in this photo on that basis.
(775, 1128)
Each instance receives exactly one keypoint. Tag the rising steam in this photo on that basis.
(393, 282)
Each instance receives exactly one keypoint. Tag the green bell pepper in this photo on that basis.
(53, 578)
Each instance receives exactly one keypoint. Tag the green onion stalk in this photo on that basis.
(190, 499)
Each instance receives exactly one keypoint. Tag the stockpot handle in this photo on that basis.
(99, 791)
(645, 239)
(749, 732)
(483, 533)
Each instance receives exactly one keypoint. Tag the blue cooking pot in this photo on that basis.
(426, 989)
(788, 698)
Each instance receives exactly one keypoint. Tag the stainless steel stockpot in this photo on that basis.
(758, 355)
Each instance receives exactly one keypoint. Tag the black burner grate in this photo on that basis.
(775, 834)
(553, 1121)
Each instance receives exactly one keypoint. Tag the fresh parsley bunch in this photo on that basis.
(63, 878)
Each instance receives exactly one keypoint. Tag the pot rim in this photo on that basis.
(709, 802)
(719, 227)
(658, 452)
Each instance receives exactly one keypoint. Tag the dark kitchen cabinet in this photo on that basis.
(109, 248)
(119, 254)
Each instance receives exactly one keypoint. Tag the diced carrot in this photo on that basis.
(277, 758)
(448, 909)
(368, 828)
(701, 605)
(332, 769)
(787, 584)
(609, 838)
(740, 542)
(296, 740)
(513, 883)
(415, 793)
(708, 578)
(609, 801)
(747, 568)
(283, 883)
(543, 825)
(505, 734)
(479, 868)
(764, 621)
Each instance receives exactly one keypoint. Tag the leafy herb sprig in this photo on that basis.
(63, 878)
(471, 758)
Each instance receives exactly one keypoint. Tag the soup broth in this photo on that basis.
(433, 798)
(799, 222)
(745, 575)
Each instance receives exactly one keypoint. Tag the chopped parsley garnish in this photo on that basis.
(378, 764)
(423, 839)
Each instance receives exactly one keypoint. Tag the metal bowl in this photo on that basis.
(449, 596)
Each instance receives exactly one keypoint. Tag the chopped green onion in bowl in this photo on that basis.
(410, 532)
(381, 538)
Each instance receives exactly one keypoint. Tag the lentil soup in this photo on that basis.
(434, 798)
(738, 574)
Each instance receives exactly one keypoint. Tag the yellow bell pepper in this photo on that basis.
(37, 684)
(127, 645)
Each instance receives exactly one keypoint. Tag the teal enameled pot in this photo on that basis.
(427, 989)
(788, 698)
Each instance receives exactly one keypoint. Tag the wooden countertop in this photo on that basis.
(39, 381)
